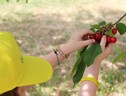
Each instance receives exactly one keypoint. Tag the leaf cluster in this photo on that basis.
(87, 55)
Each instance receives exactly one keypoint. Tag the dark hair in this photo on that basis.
(11, 93)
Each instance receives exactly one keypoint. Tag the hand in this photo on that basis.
(77, 41)
(105, 50)
(88, 88)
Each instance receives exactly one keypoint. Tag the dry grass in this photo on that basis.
(39, 27)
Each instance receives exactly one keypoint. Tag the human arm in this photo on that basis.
(76, 42)
(88, 88)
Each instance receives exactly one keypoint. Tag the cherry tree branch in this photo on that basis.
(119, 19)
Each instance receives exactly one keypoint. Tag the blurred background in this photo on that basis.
(41, 25)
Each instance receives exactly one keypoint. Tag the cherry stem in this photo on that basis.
(119, 19)
(111, 25)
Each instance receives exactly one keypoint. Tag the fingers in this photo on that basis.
(85, 32)
(109, 48)
(87, 42)
(103, 42)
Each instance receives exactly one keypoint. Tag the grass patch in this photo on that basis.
(42, 25)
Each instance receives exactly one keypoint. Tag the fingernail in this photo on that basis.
(104, 36)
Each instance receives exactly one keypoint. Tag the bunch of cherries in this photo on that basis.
(109, 39)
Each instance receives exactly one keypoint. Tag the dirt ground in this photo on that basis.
(40, 26)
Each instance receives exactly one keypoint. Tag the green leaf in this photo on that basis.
(92, 29)
(78, 53)
(102, 23)
(119, 57)
(95, 26)
(91, 53)
(78, 61)
(74, 70)
(110, 33)
(79, 73)
(121, 28)
(81, 51)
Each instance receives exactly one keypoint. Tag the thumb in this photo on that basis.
(87, 42)
(109, 48)
(103, 42)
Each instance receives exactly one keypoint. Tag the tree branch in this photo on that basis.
(119, 19)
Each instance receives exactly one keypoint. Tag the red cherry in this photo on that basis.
(98, 36)
(108, 39)
(114, 30)
(113, 39)
(92, 36)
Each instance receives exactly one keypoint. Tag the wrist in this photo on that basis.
(91, 79)
(98, 60)
(66, 48)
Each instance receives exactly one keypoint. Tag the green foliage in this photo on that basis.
(90, 54)
(85, 57)
(79, 72)
(92, 29)
(119, 57)
(76, 66)
(17, 0)
(96, 27)
(79, 66)
(110, 33)
(38, 87)
(19, 21)
(102, 23)
(78, 61)
(111, 81)
(121, 28)
(80, 52)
